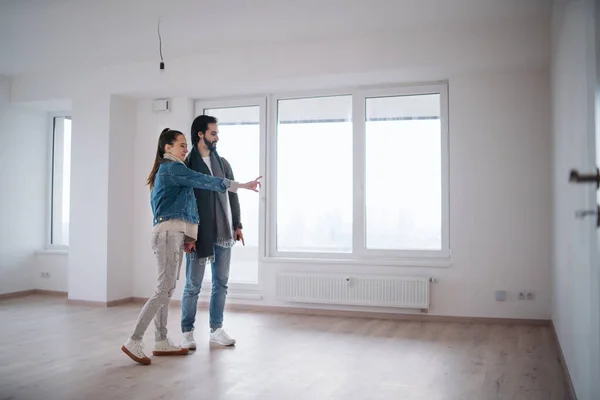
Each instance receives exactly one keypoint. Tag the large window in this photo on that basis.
(60, 181)
(241, 126)
(314, 175)
(358, 176)
(361, 175)
(403, 173)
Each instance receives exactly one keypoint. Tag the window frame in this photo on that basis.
(272, 253)
(360, 253)
(202, 104)
(50, 180)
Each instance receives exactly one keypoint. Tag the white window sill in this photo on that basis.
(372, 262)
(52, 252)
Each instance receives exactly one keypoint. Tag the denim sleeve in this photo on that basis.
(184, 176)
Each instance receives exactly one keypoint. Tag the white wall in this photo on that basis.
(575, 306)
(56, 264)
(100, 256)
(24, 166)
(501, 211)
(500, 199)
(500, 147)
(123, 128)
(89, 197)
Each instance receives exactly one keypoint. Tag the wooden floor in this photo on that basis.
(52, 350)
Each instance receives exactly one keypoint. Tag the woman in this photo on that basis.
(175, 229)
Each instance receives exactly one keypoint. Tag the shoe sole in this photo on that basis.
(190, 348)
(143, 361)
(222, 344)
(181, 352)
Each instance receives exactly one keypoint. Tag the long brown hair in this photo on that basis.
(167, 136)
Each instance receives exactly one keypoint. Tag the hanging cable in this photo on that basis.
(162, 62)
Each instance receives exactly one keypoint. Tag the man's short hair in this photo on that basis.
(200, 124)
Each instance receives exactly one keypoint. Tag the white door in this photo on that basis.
(576, 116)
(595, 135)
(586, 241)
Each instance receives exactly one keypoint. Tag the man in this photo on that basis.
(218, 230)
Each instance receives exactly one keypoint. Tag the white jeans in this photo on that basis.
(168, 249)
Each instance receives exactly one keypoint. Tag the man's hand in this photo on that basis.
(239, 235)
(189, 247)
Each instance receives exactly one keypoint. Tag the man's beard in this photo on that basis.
(210, 145)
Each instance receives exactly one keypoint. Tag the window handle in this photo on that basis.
(576, 177)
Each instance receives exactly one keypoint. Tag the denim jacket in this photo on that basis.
(172, 196)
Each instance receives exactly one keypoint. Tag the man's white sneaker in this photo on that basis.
(221, 337)
(167, 348)
(135, 350)
(187, 340)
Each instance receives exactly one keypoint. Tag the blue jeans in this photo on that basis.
(194, 276)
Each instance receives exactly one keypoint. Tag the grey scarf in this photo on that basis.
(223, 220)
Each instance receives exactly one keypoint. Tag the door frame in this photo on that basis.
(199, 106)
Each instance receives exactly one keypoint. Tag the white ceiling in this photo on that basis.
(38, 35)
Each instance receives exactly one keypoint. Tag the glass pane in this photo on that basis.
(61, 182)
(314, 175)
(239, 143)
(404, 173)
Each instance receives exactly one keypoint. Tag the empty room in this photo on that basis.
(276, 199)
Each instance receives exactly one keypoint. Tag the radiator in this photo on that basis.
(363, 290)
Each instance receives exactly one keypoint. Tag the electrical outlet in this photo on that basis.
(46, 275)
(500, 295)
(521, 295)
(529, 295)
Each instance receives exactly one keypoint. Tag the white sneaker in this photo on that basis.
(135, 350)
(187, 340)
(167, 348)
(221, 337)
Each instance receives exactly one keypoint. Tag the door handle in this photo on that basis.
(576, 177)
(584, 213)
